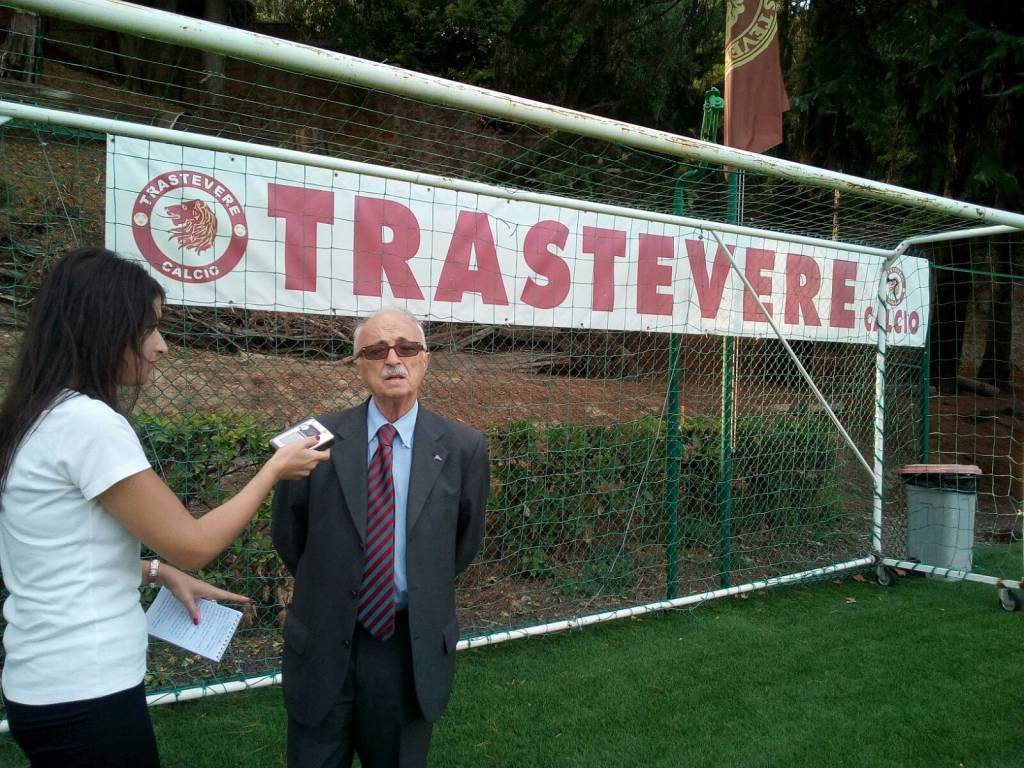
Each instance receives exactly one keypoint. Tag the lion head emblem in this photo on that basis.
(195, 225)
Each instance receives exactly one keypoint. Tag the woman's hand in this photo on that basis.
(296, 460)
(188, 589)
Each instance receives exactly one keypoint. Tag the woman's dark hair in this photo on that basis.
(92, 308)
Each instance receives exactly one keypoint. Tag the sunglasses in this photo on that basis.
(380, 350)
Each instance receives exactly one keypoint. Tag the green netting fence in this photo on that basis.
(628, 466)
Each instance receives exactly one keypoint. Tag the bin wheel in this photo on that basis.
(1008, 600)
(886, 576)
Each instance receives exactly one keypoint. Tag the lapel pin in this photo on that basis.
(437, 457)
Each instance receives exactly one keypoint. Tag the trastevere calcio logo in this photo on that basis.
(759, 19)
(189, 226)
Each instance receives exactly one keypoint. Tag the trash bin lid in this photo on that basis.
(939, 469)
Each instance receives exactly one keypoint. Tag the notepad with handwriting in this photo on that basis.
(168, 620)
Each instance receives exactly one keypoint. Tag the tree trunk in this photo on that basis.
(996, 363)
(149, 65)
(952, 298)
(213, 63)
(19, 55)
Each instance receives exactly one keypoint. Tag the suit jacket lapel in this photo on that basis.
(429, 454)
(348, 455)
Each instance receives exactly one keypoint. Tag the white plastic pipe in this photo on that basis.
(663, 605)
(881, 349)
(46, 116)
(251, 46)
(215, 689)
(952, 574)
(260, 681)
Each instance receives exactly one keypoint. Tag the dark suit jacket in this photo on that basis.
(318, 529)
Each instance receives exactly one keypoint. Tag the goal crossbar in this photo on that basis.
(252, 46)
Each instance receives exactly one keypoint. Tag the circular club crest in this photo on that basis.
(189, 222)
(895, 287)
(751, 25)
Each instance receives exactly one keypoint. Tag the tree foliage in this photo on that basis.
(925, 94)
(928, 95)
(647, 61)
(921, 93)
(450, 39)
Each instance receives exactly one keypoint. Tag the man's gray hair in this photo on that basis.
(387, 311)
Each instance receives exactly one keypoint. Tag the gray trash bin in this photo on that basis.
(941, 502)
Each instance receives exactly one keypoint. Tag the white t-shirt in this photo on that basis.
(75, 629)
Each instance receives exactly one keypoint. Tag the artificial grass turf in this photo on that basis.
(843, 674)
(838, 673)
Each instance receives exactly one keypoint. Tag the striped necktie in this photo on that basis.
(377, 594)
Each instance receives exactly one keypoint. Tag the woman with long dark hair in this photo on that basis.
(78, 495)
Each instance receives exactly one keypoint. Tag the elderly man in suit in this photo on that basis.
(375, 538)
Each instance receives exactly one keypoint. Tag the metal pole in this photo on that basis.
(725, 465)
(45, 116)
(878, 468)
(926, 387)
(674, 451)
(713, 106)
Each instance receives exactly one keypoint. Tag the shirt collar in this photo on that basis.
(405, 425)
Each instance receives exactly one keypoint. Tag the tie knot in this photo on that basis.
(386, 435)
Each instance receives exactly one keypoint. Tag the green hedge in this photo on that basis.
(206, 458)
(561, 495)
(554, 487)
(784, 476)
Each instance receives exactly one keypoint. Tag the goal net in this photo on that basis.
(677, 366)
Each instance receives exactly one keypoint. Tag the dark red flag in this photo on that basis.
(755, 96)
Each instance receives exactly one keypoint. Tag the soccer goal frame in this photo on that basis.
(973, 222)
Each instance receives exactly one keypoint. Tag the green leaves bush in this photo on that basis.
(206, 458)
(557, 490)
(561, 494)
(203, 457)
(784, 476)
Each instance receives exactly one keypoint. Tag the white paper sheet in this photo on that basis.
(168, 620)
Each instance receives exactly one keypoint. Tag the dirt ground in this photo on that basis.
(480, 390)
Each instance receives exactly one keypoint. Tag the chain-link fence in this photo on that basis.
(629, 464)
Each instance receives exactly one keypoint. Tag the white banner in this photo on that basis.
(228, 230)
